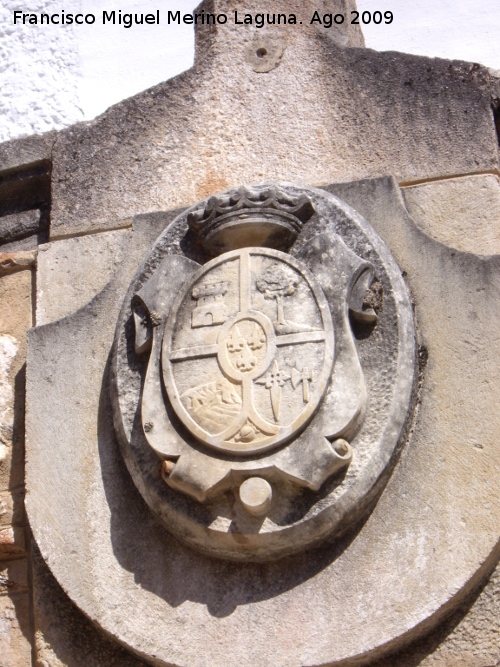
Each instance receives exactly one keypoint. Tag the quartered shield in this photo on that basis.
(233, 347)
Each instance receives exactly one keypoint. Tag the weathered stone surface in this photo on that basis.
(18, 226)
(11, 416)
(495, 83)
(26, 244)
(15, 319)
(324, 114)
(462, 213)
(8, 351)
(15, 629)
(22, 190)
(64, 637)
(15, 296)
(265, 53)
(28, 150)
(469, 638)
(17, 261)
(71, 272)
(14, 577)
(12, 542)
(209, 39)
(413, 560)
(12, 508)
(15, 614)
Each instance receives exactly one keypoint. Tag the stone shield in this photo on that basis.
(228, 363)
(283, 376)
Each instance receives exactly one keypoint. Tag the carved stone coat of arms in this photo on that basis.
(263, 371)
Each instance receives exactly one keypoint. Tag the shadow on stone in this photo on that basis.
(448, 642)
(64, 634)
(175, 573)
(18, 581)
(18, 430)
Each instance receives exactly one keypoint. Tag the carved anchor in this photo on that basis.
(305, 376)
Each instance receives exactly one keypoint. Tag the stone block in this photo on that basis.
(15, 630)
(19, 153)
(11, 412)
(14, 576)
(15, 319)
(8, 351)
(15, 614)
(22, 190)
(71, 272)
(18, 226)
(12, 542)
(11, 463)
(64, 637)
(324, 114)
(468, 638)
(495, 84)
(26, 244)
(12, 508)
(462, 213)
(429, 543)
(16, 312)
(11, 262)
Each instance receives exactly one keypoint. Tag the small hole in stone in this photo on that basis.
(261, 53)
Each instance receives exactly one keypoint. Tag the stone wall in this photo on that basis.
(326, 111)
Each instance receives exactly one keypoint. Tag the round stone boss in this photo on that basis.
(288, 370)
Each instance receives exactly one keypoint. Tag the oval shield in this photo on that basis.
(248, 350)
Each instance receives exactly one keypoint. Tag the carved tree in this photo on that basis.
(277, 283)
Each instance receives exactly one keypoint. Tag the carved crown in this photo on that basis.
(264, 215)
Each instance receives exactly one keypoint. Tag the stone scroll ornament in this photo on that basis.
(255, 366)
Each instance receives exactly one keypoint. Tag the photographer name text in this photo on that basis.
(259, 20)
